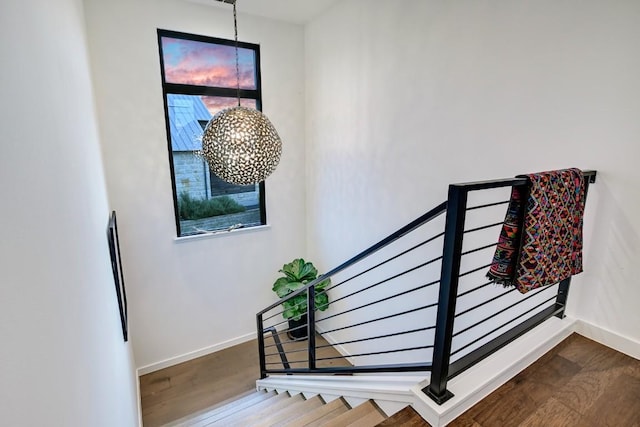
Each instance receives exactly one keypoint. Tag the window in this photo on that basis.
(198, 80)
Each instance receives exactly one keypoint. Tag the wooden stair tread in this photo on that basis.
(315, 417)
(365, 415)
(328, 416)
(228, 406)
(248, 415)
(294, 411)
(272, 409)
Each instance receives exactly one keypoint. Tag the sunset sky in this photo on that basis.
(217, 103)
(206, 64)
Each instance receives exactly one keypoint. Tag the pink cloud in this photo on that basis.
(219, 75)
(191, 62)
(216, 103)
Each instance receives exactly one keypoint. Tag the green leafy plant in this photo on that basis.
(296, 275)
(191, 208)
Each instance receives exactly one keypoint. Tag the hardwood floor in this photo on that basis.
(187, 388)
(579, 383)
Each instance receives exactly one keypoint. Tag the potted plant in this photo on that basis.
(297, 274)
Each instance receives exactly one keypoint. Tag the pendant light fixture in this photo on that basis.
(240, 144)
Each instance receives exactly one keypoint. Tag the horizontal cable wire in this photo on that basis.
(348, 342)
(395, 334)
(272, 316)
(393, 367)
(479, 249)
(284, 331)
(373, 353)
(383, 318)
(476, 288)
(475, 269)
(502, 326)
(369, 269)
(286, 353)
(485, 302)
(497, 312)
(282, 322)
(282, 344)
(305, 362)
(388, 279)
(380, 300)
(280, 312)
(384, 262)
(488, 205)
(471, 230)
(266, 331)
(407, 229)
(379, 336)
(367, 288)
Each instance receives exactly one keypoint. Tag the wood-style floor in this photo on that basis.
(579, 383)
(175, 392)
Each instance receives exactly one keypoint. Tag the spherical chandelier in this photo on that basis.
(240, 144)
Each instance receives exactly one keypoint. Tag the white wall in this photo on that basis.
(196, 295)
(63, 361)
(404, 98)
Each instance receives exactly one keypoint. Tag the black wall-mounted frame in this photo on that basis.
(118, 276)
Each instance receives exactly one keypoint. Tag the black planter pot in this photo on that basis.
(297, 329)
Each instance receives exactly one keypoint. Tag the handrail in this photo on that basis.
(423, 219)
(510, 182)
(492, 324)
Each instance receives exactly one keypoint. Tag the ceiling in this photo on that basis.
(295, 11)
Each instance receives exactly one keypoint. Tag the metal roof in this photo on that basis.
(185, 114)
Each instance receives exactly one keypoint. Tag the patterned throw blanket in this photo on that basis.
(541, 240)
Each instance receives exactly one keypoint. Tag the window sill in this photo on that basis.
(221, 233)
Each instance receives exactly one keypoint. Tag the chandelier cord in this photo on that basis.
(235, 29)
(240, 144)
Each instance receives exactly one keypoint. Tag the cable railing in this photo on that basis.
(418, 300)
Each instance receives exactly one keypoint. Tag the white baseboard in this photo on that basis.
(609, 338)
(139, 400)
(195, 354)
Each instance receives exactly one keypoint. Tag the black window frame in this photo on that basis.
(196, 90)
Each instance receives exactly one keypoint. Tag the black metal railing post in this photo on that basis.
(454, 229)
(261, 353)
(563, 294)
(311, 326)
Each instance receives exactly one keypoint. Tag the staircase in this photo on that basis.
(417, 305)
(270, 408)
